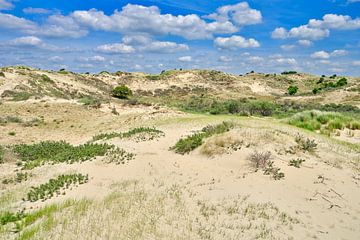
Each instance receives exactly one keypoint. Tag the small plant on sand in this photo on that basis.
(2, 74)
(274, 172)
(9, 217)
(186, 145)
(90, 101)
(122, 92)
(55, 186)
(139, 134)
(259, 159)
(296, 162)
(306, 145)
(118, 156)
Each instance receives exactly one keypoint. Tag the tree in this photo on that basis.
(292, 90)
(122, 92)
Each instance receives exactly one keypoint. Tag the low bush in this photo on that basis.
(90, 101)
(57, 152)
(9, 217)
(274, 172)
(46, 78)
(55, 186)
(118, 156)
(2, 74)
(292, 90)
(305, 144)
(139, 134)
(259, 159)
(188, 144)
(2, 153)
(122, 92)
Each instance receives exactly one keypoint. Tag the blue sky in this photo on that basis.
(321, 37)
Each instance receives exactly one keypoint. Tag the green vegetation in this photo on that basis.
(2, 74)
(122, 92)
(292, 90)
(46, 78)
(296, 162)
(2, 153)
(261, 160)
(19, 178)
(195, 140)
(47, 190)
(118, 156)
(57, 152)
(90, 101)
(9, 217)
(274, 172)
(324, 122)
(12, 133)
(140, 134)
(327, 85)
(306, 145)
(288, 73)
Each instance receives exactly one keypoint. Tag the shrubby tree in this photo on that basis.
(292, 90)
(122, 92)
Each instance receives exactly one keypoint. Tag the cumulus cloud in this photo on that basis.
(318, 29)
(6, 5)
(56, 59)
(185, 59)
(137, 20)
(30, 10)
(305, 43)
(115, 48)
(235, 42)
(139, 43)
(26, 41)
(320, 55)
(327, 55)
(241, 14)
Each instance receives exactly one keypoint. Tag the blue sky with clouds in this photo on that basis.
(321, 36)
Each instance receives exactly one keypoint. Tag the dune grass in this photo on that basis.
(188, 144)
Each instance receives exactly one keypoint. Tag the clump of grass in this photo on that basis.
(118, 156)
(195, 140)
(296, 162)
(90, 101)
(33, 122)
(306, 144)
(12, 133)
(10, 217)
(13, 119)
(57, 152)
(46, 78)
(55, 186)
(316, 120)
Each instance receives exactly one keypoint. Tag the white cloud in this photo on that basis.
(30, 10)
(318, 29)
(286, 61)
(115, 48)
(26, 41)
(339, 53)
(225, 59)
(164, 47)
(326, 55)
(8, 21)
(334, 21)
(6, 5)
(241, 14)
(255, 59)
(305, 43)
(287, 47)
(235, 42)
(96, 58)
(320, 55)
(185, 59)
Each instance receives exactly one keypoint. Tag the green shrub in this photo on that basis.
(342, 82)
(186, 145)
(292, 90)
(316, 90)
(289, 72)
(54, 186)
(2, 74)
(90, 101)
(9, 217)
(57, 152)
(305, 144)
(140, 134)
(122, 92)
